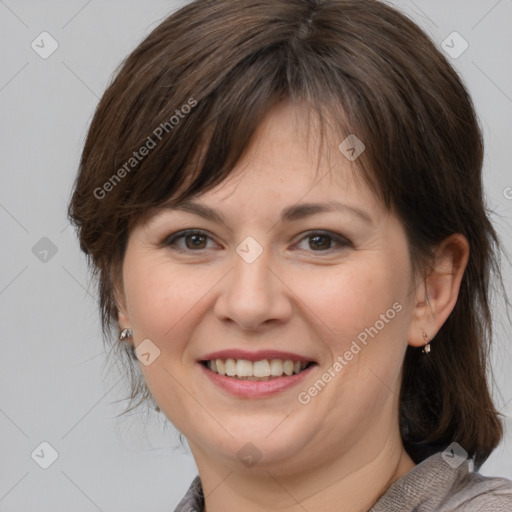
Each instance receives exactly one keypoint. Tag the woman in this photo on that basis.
(282, 201)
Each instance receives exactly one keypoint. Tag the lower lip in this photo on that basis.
(254, 388)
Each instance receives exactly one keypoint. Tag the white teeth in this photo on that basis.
(221, 367)
(230, 367)
(288, 367)
(257, 370)
(261, 368)
(276, 367)
(244, 368)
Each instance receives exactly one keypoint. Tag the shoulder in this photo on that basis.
(442, 484)
(193, 501)
(482, 494)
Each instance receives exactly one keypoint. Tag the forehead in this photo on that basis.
(293, 158)
(295, 153)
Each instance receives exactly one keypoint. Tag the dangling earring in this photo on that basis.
(128, 333)
(125, 333)
(426, 348)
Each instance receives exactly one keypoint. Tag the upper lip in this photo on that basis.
(255, 356)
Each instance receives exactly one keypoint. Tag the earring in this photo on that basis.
(128, 333)
(125, 333)
(426, 348)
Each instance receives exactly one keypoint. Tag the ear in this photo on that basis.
(120, 299)
(437, 295)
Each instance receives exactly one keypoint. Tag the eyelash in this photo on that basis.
(171, 240)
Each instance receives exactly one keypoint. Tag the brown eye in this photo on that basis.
(320, 241)
(323, 242)
(194, 240)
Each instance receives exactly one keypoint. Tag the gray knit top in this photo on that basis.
(431, 486)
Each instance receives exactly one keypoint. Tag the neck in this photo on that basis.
(350, 483)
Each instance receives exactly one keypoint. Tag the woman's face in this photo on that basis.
(331, 287)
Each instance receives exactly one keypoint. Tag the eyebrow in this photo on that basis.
(289, 214)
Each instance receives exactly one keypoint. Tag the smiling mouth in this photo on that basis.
(266, 369)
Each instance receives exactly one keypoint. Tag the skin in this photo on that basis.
(342, 450)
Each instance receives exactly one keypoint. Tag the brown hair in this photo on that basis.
(193, 93)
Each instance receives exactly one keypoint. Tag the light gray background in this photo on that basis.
(53, 386)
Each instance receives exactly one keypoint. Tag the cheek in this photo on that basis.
(347, 306)
(362, 315)
(351, 298)
(164, 298)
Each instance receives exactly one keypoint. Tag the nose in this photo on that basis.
(254, 295)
